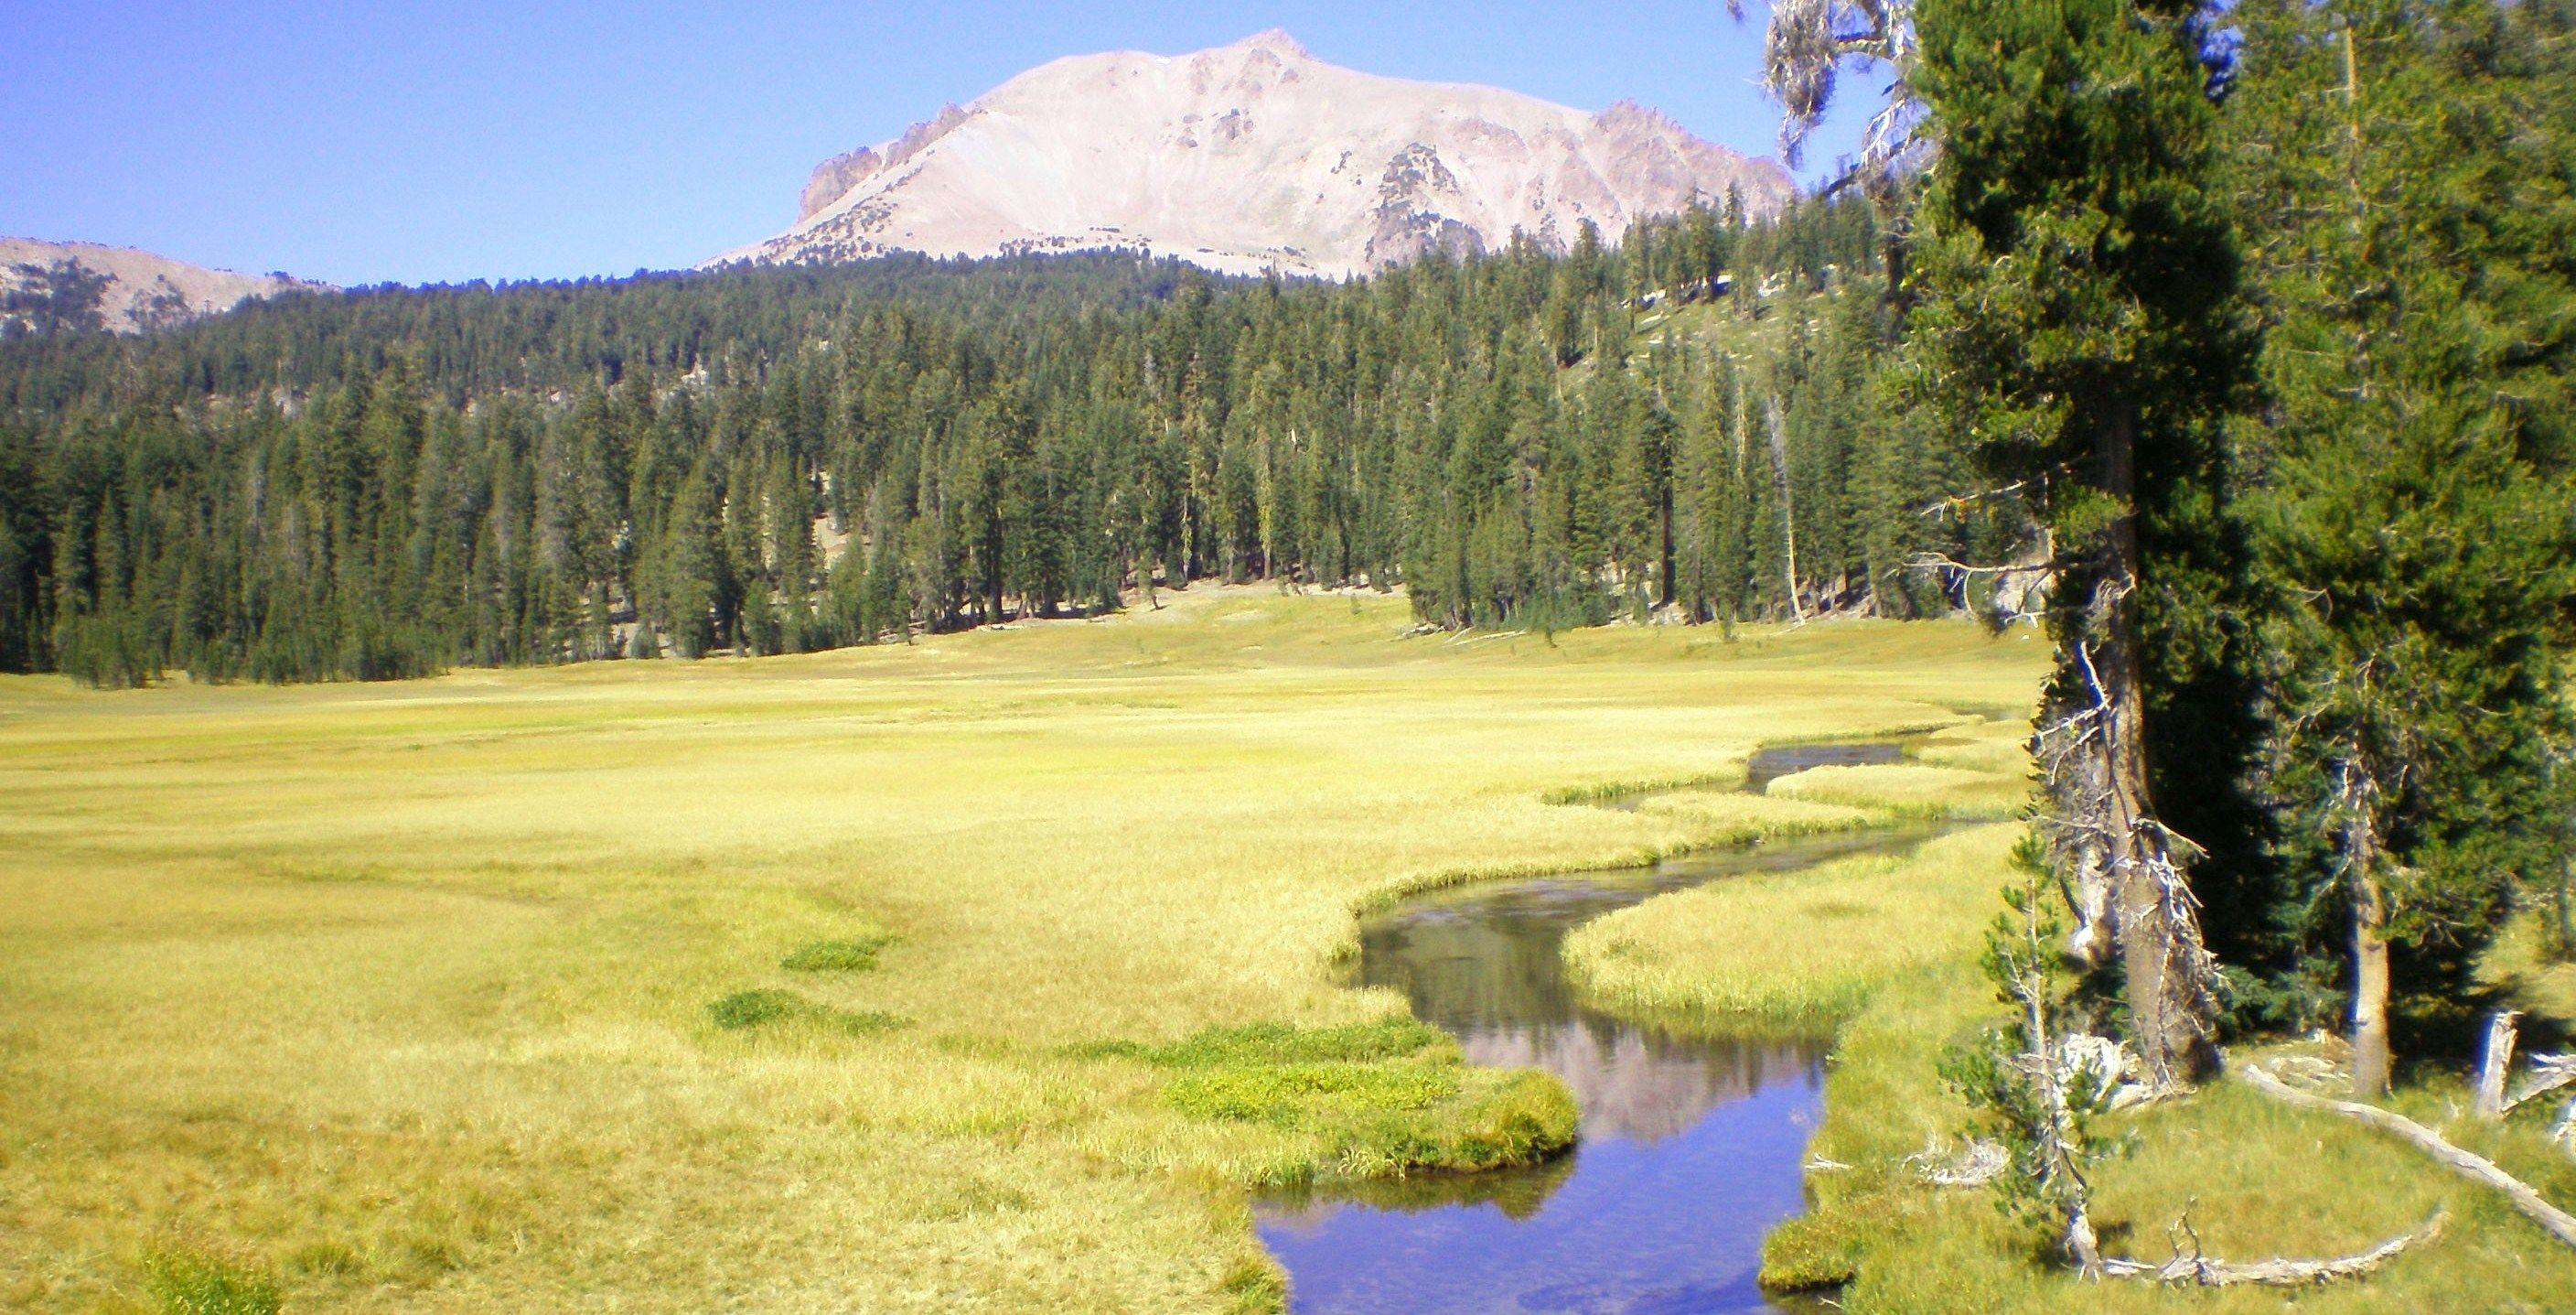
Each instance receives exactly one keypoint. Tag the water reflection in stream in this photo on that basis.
(1691, 1145)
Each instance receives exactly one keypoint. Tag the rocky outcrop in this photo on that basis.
(1252, 157)
(833, 178)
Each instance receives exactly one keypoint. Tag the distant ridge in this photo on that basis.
(1252, 157)
(144, 291)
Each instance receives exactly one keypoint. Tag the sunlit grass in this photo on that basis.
(1796, 949)
(1887, 948)
(401, 994)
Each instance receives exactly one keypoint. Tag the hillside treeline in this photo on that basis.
(770, 460)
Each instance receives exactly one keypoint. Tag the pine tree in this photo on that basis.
(2080, 317)
(2418, 531)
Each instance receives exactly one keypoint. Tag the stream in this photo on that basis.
(1692, 1143)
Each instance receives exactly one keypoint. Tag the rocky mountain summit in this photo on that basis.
(1253, 157)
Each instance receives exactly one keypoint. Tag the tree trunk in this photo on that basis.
(2370, 1050)
(2495, 1064)
(2163, 963)
(2357, 791)
(2156, 923)
(1788, 511)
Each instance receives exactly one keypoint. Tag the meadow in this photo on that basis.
(1884, 952)
(983, 973)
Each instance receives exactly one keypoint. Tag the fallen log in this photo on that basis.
(2549, 1073)
(2559, 1223)
(2199, 1270)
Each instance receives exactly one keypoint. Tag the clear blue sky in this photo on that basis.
(458, 139)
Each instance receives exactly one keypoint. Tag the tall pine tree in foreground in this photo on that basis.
(2080, 318)
(2416, 510)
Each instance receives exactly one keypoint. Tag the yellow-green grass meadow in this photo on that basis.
(1887, 947)
(472, 993)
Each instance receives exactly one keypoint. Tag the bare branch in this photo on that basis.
(2551, 1073)
(2193, 1268)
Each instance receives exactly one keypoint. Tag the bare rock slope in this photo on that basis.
(143, 291)
(1252, 157)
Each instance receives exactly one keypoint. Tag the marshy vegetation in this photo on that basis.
(397, 997)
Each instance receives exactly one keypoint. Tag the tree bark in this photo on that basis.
(2156, 924)
(2370, 1048)
(2371, 1051)
(1788, 510)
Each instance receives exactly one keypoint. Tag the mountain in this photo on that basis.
(140, 292)
(1251, 157)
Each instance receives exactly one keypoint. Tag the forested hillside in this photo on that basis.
(396, 481)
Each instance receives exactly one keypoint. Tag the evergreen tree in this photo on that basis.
(2418, 531)
(2080, 317)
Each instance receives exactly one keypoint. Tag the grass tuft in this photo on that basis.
(1301, 1095)
(744, 1010)
(851, 956)
(192, 1283)
(325, 1258)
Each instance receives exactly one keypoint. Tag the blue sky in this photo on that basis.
(459, 139)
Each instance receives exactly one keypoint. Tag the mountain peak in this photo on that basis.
(1275, 40)
(1253, 157)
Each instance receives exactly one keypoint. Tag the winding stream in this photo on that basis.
(1691, 1143)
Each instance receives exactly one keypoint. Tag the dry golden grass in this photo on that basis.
(399, 993)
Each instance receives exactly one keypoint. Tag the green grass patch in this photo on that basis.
(191, 1283)
(745, 1010)
(849, 956)
(1300, 1094)
(1385, 1097)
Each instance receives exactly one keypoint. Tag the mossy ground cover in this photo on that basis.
(401, 996)
(1887, 948)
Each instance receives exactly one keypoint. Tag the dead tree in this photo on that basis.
(2495, 1064)
(1804, 46)
(1788, 510)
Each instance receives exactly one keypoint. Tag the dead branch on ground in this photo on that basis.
(2190, 1266)
(2477, 1168)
